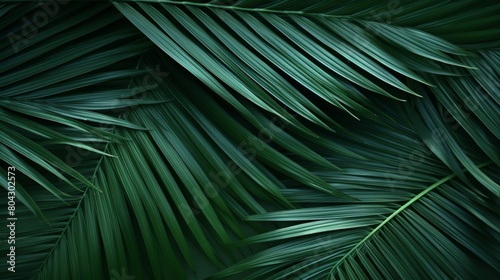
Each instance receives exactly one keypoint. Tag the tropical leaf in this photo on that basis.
(412, 220)
(257, 139)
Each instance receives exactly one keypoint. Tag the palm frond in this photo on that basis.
(412, 219)
(257, 139)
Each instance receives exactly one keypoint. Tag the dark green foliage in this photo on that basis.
(252, 139)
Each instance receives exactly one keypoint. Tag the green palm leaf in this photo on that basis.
(255, 139)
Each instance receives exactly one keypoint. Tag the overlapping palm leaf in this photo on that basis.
(350, 139)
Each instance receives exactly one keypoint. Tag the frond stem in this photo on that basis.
(234, 8)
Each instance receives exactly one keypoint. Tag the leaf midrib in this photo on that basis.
(235, 8)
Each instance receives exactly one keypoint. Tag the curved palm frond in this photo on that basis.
(413, 218)
(37, 111)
